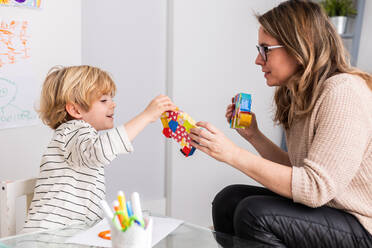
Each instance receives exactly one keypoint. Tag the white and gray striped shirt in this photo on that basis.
(72, 180)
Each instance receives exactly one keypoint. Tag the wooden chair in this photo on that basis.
(9, 192)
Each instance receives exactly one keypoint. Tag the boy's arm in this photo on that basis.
(136, 125)
(85, 147)
(102, 149)
(153, 111)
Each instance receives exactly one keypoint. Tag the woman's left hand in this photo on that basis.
(213, 142)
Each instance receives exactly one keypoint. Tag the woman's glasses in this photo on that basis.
(263, 50)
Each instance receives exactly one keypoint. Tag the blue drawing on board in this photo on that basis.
(9, 111)
(8, 91)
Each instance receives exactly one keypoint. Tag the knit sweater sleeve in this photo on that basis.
(340, 138)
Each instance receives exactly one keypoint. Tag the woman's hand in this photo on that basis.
(248, 132)
(157, 106)
(213, 142)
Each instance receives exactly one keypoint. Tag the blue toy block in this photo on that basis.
(192, 151)
(173, 125)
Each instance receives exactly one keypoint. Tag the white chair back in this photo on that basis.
(9, 192)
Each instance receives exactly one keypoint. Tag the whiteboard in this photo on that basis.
(17, 79)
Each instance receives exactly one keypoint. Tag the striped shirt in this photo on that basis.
(72, 181)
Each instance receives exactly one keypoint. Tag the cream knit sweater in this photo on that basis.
(331, 150)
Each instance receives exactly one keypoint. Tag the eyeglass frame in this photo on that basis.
(263, 50)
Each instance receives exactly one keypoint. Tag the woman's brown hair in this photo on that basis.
(305, 31)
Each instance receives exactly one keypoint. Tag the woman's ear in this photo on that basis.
(73, 110)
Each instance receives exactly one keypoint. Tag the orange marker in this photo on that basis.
(104, 235)
(120, 216)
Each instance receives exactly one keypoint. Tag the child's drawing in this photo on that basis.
(14, 44)
(21, 3)
(10, 113)
(17, 91)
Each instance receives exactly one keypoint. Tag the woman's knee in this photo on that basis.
(248, 212)
(226, 201)
(223, 203)
(236, 192)
(225, 194)
(223, 208)
(253, 211)
(252, 219)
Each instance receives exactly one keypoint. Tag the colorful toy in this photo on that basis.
(177, 125)
(241, 116)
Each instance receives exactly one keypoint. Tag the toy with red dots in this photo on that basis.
(177, 125)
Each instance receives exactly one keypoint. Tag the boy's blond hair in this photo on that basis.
(80, 85)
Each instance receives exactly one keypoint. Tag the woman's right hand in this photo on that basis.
(248, 132)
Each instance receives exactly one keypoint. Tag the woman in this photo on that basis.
(319, 193)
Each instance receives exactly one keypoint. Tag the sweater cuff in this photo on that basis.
(298, 192)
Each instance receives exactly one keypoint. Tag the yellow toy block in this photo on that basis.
(245, 120)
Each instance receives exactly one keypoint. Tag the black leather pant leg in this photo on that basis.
(269, 220)
(226, 201)
(279, 222)
(223, 210)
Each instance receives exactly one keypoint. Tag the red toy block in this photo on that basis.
(167, 132)
(185, 150)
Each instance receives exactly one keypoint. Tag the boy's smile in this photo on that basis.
(101, 113)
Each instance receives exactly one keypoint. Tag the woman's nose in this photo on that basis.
(259, 60)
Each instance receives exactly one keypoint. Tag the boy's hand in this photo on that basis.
(157, 106)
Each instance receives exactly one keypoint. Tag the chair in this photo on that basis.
(9, 192)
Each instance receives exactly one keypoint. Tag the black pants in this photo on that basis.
(261, 216)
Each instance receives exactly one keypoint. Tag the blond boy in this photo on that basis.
(77, 102)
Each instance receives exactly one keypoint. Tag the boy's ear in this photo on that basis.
(73, 110)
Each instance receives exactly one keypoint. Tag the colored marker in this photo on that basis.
(122, 221)
(129, 208)
(108, 213)
(123, 206)
(136, 206)
(106, 210)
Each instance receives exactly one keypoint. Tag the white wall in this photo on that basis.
(365, 48)
(55, 32)
(128, 39)
(212, 53)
